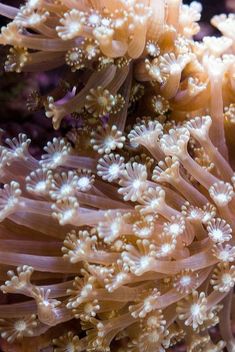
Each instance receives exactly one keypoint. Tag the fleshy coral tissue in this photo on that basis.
(121, 237)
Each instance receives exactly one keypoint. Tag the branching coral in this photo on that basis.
(124, 230)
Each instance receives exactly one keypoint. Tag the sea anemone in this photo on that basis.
(120, 238)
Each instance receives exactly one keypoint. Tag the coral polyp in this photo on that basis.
(121, 236)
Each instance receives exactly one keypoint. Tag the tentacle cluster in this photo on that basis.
(122, 235)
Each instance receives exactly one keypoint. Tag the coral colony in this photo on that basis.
(121, 237)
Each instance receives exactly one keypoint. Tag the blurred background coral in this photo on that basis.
(16, 89)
